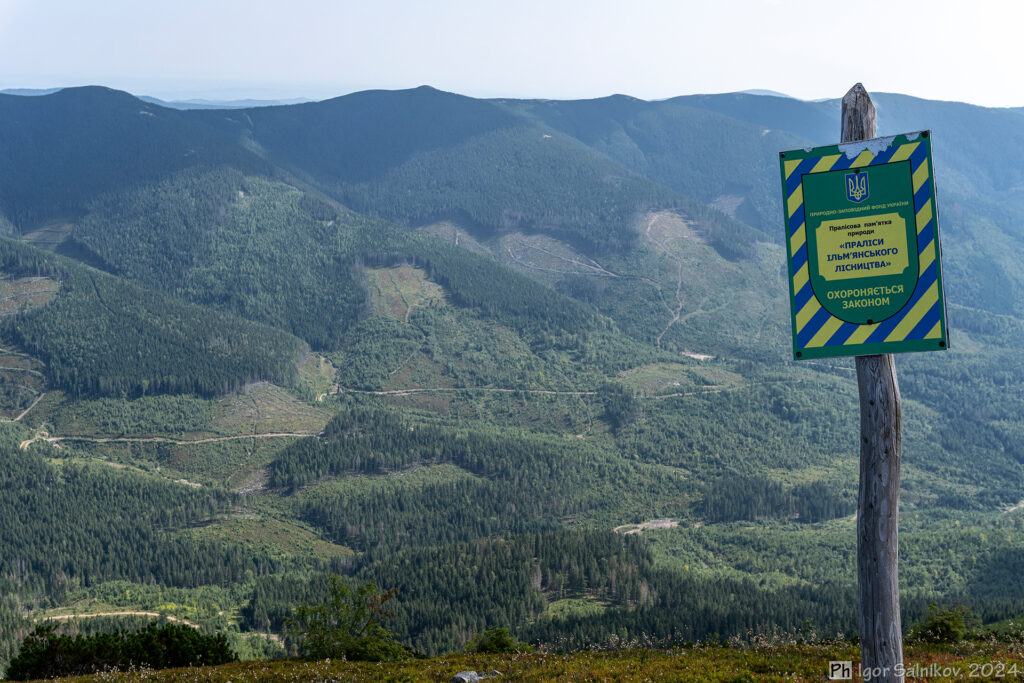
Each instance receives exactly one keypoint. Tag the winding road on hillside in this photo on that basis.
(132, 613)
(24, 412)
(709, 389)
(448, 390)
(43, 436)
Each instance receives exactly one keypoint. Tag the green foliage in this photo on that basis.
(268, 252)
(496, 641)
(246, 245)
(714, 605)
(520, 482)
(14, 625)
(348, 625)
(148, 414)
(102, 335)
(374, 349)
(620, 405)
(91, 524)
(46, 654)
(497, 292)
(447, 592)
(736, 497)
(942, 624)
(256, 646)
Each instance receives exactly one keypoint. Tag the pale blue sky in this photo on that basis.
(941, 49)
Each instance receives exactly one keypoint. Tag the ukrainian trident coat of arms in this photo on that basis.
(857, 187)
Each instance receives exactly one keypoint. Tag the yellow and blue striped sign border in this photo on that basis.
(921, 324)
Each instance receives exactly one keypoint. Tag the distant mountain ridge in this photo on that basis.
(59, 151)
(576, 170)
(573, 169)
(189, 103)
(29, 92)
(245, 103)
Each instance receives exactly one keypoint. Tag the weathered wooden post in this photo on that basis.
(865, 280)
(881, 447)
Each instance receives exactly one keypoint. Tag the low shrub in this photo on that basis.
(496, 641)
(48, 654)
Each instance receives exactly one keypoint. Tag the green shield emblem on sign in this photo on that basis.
(862, 255)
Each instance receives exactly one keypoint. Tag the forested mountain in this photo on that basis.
(266, 250)
(422, 155)
(103, 335)
(699, 152)
(525, 361)
(722, 149)
(59, 152)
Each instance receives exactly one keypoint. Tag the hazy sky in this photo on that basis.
(940, 49)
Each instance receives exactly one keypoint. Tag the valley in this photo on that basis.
(526, 362)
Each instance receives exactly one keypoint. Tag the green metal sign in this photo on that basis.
(863, 248)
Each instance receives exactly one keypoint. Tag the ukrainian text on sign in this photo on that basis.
(863, 249)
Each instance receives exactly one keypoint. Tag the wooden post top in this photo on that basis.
(858, 120)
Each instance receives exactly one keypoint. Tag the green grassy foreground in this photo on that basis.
(967, 661)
